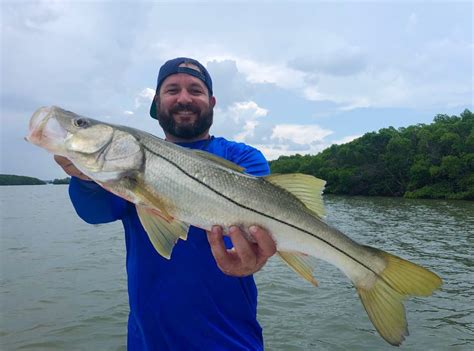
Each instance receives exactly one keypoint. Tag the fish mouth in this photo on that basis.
(45, 130)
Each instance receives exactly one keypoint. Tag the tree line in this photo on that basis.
(11, 179)
(421, 161)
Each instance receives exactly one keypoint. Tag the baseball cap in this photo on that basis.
(172, 67)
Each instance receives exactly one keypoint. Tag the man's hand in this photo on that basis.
(245, 257)
(69, 168)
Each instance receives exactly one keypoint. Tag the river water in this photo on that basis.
(63, 283)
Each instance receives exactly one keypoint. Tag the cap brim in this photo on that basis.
(153, 109)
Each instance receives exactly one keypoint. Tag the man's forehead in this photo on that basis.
(182, 78)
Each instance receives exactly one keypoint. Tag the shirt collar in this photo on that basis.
(200, 144)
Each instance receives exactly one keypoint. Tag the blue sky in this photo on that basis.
(289, 77)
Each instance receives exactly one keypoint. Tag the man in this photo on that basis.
(205, 297)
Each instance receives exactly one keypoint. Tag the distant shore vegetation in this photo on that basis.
(11, 179)
(61, 181)
(421, 161)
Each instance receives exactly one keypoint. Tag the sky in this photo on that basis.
(289, 76)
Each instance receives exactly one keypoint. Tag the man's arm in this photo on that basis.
(92, 203)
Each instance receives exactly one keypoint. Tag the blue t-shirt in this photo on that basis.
(185, 303)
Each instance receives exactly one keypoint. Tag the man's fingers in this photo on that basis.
(69, 167)
(61, 160)
(66, 165)
(246, 257)
(216, 241)
(266, 244)
(243, 247)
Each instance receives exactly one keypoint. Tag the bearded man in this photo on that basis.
(205, 297)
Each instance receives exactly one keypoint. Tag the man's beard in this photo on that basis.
(188, 131)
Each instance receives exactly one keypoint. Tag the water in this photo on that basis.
(436, 234)
(63, 283)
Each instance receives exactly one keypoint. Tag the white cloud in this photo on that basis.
(241, 119)
(263, 71)
(299, 134)
(269, 72)
(357, 103)
(248, 131)
(345, 74)
(273, 151)
(351, 81)
(313, 93)
(344, 60)
(128, 113)
(412, 21)
(315, 66)
(145, 97)
(229, 84)
(378, 87)
(246, 110)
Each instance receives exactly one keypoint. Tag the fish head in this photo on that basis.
(101, 151)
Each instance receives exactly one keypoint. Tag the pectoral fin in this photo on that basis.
(300, 263)
(163, 232)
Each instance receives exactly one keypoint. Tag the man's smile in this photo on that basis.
(184, 116)
(185, 113)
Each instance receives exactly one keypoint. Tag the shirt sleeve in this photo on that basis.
(251, 159)
(93, 203)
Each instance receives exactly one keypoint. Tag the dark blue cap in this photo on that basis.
(172, 67)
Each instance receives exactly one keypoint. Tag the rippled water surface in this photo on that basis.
(63, 284)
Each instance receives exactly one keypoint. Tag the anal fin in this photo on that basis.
(300, 263)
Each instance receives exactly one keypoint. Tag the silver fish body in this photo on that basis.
(168, 183)
(227, 197)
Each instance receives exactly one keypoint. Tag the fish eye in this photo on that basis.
(81, 123)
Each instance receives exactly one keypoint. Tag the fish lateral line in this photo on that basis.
(267, 215)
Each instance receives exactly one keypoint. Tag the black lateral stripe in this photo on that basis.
(266, 215)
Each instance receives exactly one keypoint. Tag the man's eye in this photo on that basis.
(196, 91)
(172, 91)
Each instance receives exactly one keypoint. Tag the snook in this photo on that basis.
(167, 183)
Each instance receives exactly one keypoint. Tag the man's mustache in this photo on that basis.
(185, 108)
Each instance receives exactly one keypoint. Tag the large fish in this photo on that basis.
(167, 183)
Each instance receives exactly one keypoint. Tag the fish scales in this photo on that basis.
(236, 199)
(168, 183)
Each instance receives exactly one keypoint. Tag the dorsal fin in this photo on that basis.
(306, 188)
(219, 160)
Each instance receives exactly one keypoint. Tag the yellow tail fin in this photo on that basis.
(383, 301)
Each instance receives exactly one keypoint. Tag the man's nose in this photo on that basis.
(184, 97)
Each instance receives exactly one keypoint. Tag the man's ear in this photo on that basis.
(212, 101)
(156, 101)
